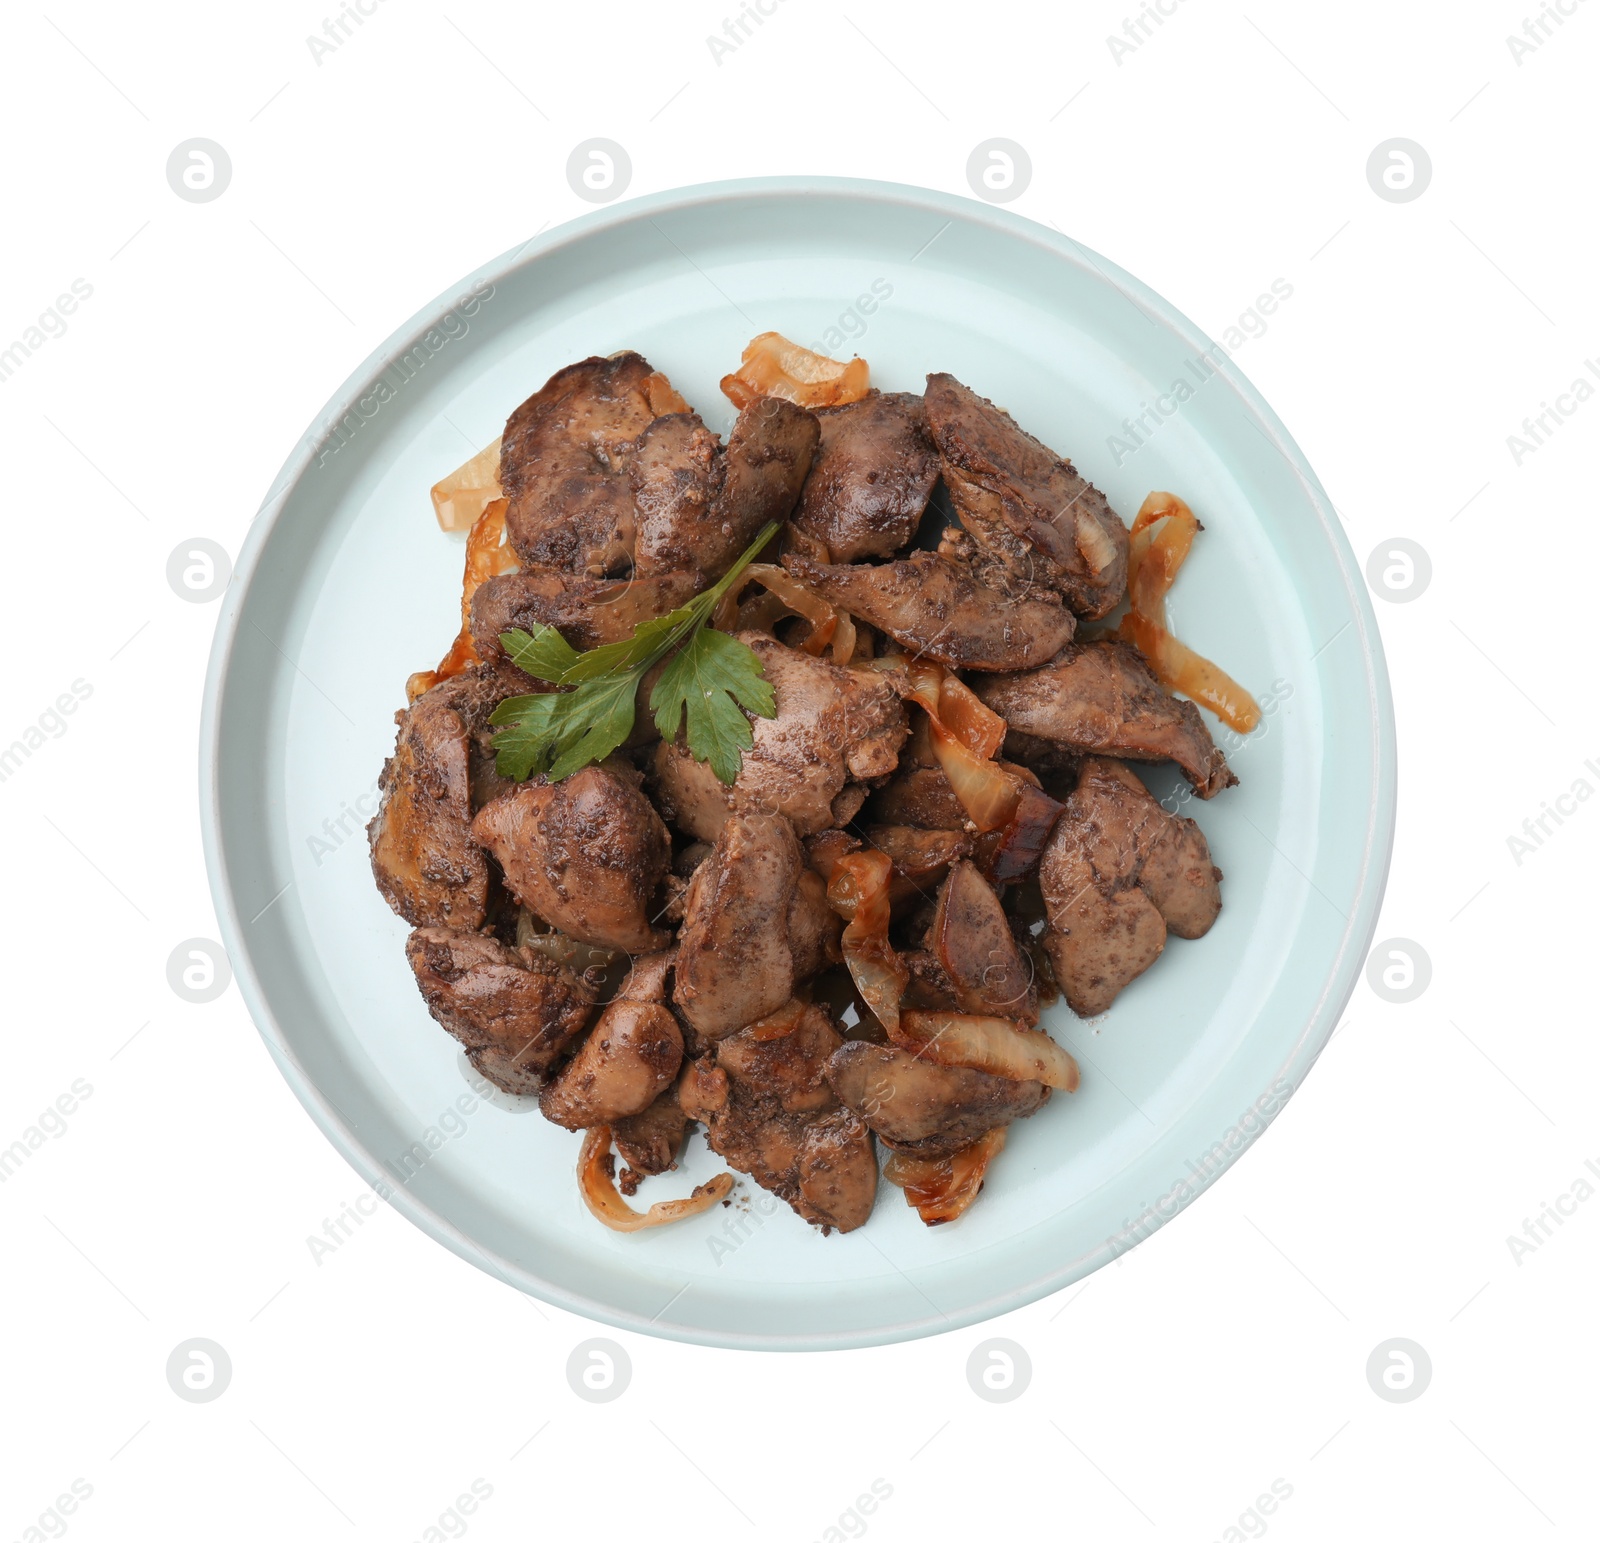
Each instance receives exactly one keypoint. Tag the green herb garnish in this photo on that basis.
(710, 677)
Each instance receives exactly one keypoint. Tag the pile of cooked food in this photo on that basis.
(775, 785)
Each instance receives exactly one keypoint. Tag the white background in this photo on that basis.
(1169, 1391)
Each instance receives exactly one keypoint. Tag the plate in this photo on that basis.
(345, 585)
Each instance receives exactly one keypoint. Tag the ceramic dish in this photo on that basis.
(346, 584)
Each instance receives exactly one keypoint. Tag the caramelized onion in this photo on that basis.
(1023, 841)
(979, 727)
(923, 679)
(529, 926)
(941, 1188)
(778, 1025)
(995, 1045)
(828, 626)
(844, 639)
(1163, 531)
(773, 366)
(600, 971)
(461, 497)
(599, 1190)
(662, 396)
(578, 957)
(488, 554)
(859, 892)
(965, 745)
(1095, 547)
(801, 599)
(1180, 668)
(760, 613)
(987, 790)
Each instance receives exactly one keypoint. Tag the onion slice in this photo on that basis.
(661, 396)
(977, 725)
(600, 971)
(964, 742)
(987, 791)
(1163, 531)
(1095, 547)
(599, 1190)
(859, 892)
(1022, 842)
(995, 1045)
(488, 554)
(952, 704)
(773, 366)
(800, 598)
(828, 625)
(461, 497)
(578, 957)
(941, 1188)
(1180, 668)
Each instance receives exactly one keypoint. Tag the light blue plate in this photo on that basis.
(345, 585)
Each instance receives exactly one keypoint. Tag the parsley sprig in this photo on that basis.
(708, 679)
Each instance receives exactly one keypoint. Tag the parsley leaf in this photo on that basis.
(650, 640)
(543, 654)
(709, 677)
(599, 720)
(523, 749)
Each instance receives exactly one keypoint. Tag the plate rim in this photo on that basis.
(1340, 978)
